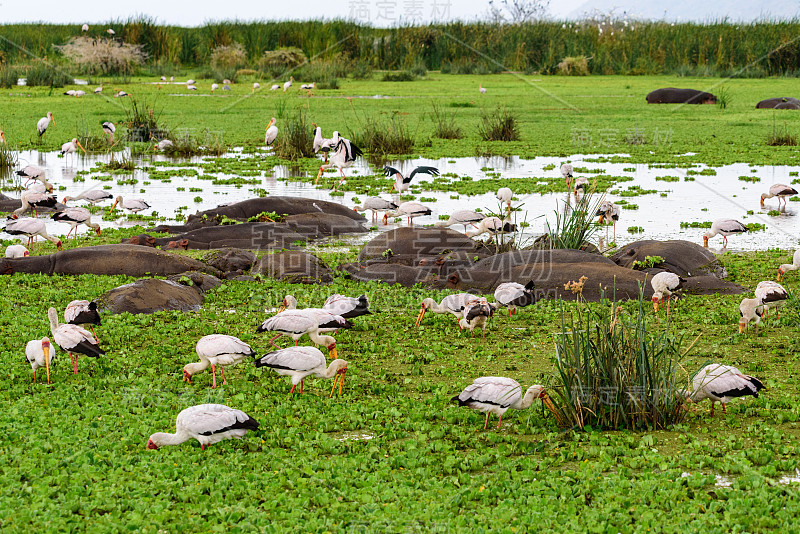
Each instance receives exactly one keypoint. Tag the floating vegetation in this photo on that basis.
(751, 179)
(774, 213)
(630, 206)
(755, 227)
(704, 172)
(648, 263)
(635, 230)
(696, 224)
(668, 178)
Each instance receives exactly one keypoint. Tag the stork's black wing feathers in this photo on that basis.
(247, 424)
(433, 171)
(390, 171)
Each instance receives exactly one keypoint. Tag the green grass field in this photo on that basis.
(393, 454)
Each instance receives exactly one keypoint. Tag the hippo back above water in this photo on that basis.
(671, 95)
(781, 102)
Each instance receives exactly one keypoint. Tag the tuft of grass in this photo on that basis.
(574, 66)
(784, 138)
(444, 123)
(573, 226)
(9, 76)
(142, 119)
(400, 76)
(384, 136)
(498, 125)
(614, 370)
(296, 139)
(42, 74)
(186, 145)
(723, 97)
(8, 157)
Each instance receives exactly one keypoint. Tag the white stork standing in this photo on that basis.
(31, 228)
(98, 89)
(288, 84)
(120, 94)
(93, 196)
(724, 227)
(16, 251)
(505, 195)
(493, 226)
(789, 266)
(301, 362)
(496, 394)
(190, 82)
(450, 304)
(401, 183)
(73, 338)
(323, 144)
(110, 129)
(750, 310)
(461, 217)
(81, 312)
(111, 32)
(347, 307)
(781, 191)
(342, 156)
(608, 210)
(297, 323)
(74, 217)
(566, 172)
(665, 283)
(217, 349)
(476, 315)
(44, 123)
(275, 87)
(85, 28)
(513, 295)
(270, 132)
(722, 383)
(328, 320)
(37, 353)
(408, 209)
(71, 147)
(32, 172)
(375, 204)
(34, 198)
(481, 89)
(771, 295)
(134, 205)
(256, 86)
(208, 424)
(3, 137)
(214, 87)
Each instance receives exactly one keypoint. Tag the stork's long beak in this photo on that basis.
(705, 241)
(46, 350)
(332, 352)
(780, 275)
(762, 202)
(114, 205)
(282, 308)
(318, 175)
(339, 375)
(420, 316)
(601, 219)
(335, 379)
(53, 118)
(80, 145)
(655, 304)
(742, 327)
(97, 231)
(3, 137)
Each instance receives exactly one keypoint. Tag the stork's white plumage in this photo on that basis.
(301, 362)
(322, 144)
(16, 251)
(85, 28)
(120, 94)
(566, 172)
(191, 87)
(217, 349)
(275, 87)
(256, 86)
(375, 204)
(32, 172)
(513, 295)
(44, 123)
(111, 32)
(82, 312)
(409, 210)
(347, 307)
(110, 129)
(789, 266)
(722, 383)
(505, 195)
(450, 304)
(493, 226)
(208, 424)
(476, 315)
(782, 191)
(73, 339)
(481, 89)
(98, 89)
(495, 395)
(74, 217)
(328, 320)
(189, 82)
(271, 132)
(402, 183)
(38, 353)
(581, 183)
(31, 228)
(71, 147)
(771, 295)
(163, 145)
(724, 227)
(609, 210)
(93, 196)
(461, 217)
(297, 323)
(342, 156)
(665, 283)
(214, 87)
(288, 84)
(34, 198)
(133, 205)
(750, 310)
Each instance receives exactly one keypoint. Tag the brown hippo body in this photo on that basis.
(149, 296)
(252, 236)
(681, 257)
(671, 95)
(276, 204)
(295, 267)
(785, 102)
(409, 243)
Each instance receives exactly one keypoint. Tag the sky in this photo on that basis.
(375, 12)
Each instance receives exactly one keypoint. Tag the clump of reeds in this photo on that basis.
(384, 136)
(574, 226)
(498, 125)
(45, 75)
(574, 66)
(279, 61)
(9, 76)
(399, 76)
(444, 123)
(8, 158)
(142, 119)
(186, 145)
(296, 139)
(613, 370)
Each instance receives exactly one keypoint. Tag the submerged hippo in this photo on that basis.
(281, 205)
(671, 95)
(781, 102)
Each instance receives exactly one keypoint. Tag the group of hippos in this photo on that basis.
(671, 95)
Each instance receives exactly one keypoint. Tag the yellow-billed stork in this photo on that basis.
(513, 295)
(208, 424)
(37, 353)
(341, 157)
(410, 210)
(566, 172)
(724, 227)
(93, 196)
(302, 362)
(665, 283)
(476, 315)
(297, 323)
(722, 383)
(453, 304)
(134, 205)
(375, 204)
(270, 132)
(493, 226)
(73, 339)
(401, 183)
(217, 349)
(31, 228)
(495, 395)
(781, 191)
(44, 123)
(74, 217)
(461, 217)
(789, 266)
(16, 251)
(322, 144)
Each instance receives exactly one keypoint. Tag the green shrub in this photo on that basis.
(498, 125)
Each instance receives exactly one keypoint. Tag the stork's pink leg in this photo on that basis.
(74, 363)
(712, 408)
(292, 390)
(301, 387)
(213, 376)
(202, 447)
(499, 421)
(222, 370)
(487, 421)
(723, 408)
(94, 333)
(34, 376)
(295, 342)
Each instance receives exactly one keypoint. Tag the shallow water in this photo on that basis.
(705, 199)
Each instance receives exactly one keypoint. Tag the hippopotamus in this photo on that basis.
(281, 205)
(141, 239)
(253, 236)
(295, 267)
(671, 95)
(417, 242)
(390, 273)
(681, 257)
(149, 296)
(316, 225)
(231, 259)
(130, 260)
(786, 102)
